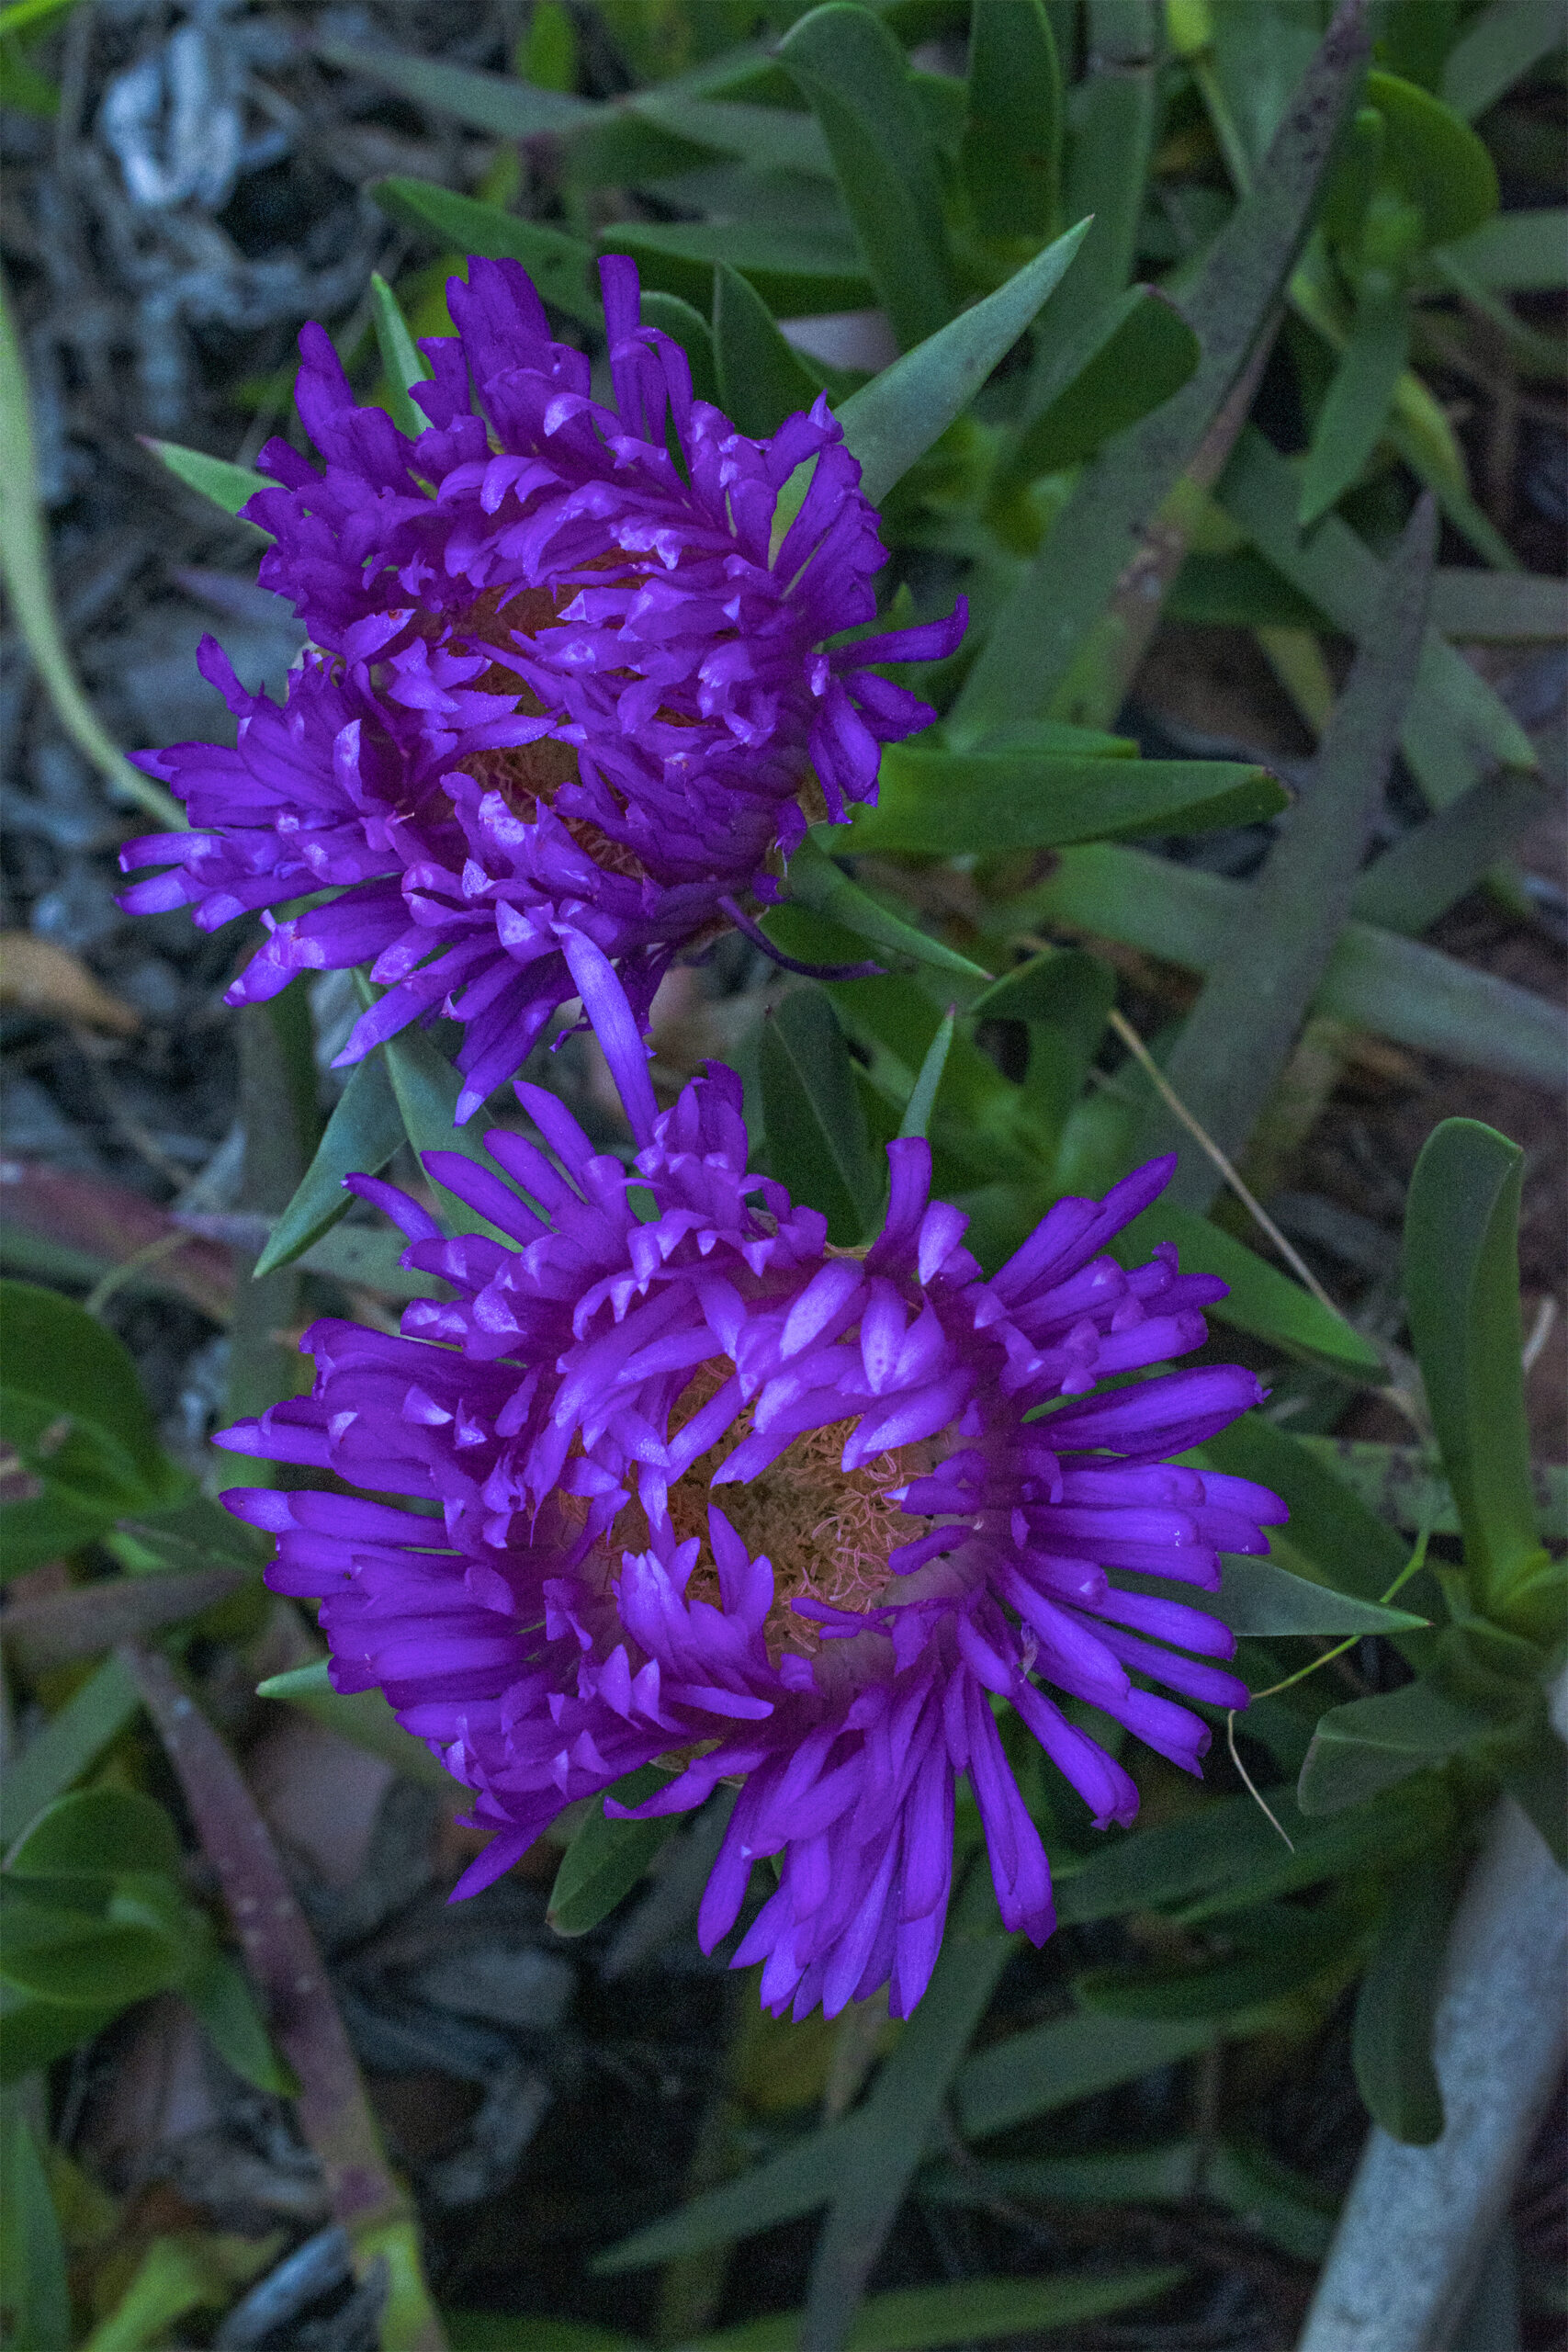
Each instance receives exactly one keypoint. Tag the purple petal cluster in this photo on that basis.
(714, 1495)
(572, 675)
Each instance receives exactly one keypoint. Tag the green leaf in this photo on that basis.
(1261, 1300)
(1503, 607)
(901, 412)
(507, 2332)
(403, 362)
(1060, 599)
(1355, 414)
(173, 2279)
(767, 138)
(1536, 1780)
(1456, 727)
(852, 73)
(558, 265)
(967, 2311)
(1259, 1597)
(797, 273)
(69, 1743)
(818, 1146)
(500, 103)
(1330, 1525)
(219, 1992)
(1461, 1284)
(1228, 1855)
(1240, 591)
(816, 883)
(95, 1833)
(607, 1857)
(901, 2113)
(1496, 49)
(1436, 159)
(1128, 361)
(1434, 866)
(229, 487)
(1066, 997)
(37, 2291)
(1294, 1947)
(428, 1092)
(365, 1717)
(34, 2033)
(1047, 2067)
(1370, 1744)
(1518, 253)
(1395, 988)
(687, 327)
(1010, 159)
(364, 1131)
(23, 561)
(1404, 1485)
(917, 1109)
(945, 804)
(72, 1410)
(1392, 2043)
(1238, 1037)
(760, 380)
(80, 1960)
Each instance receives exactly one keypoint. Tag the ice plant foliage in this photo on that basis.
(716, 1495)
(565, 680)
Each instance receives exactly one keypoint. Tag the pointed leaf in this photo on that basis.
(966, 2310)
(1132, 359)
(760, 379)
(1262, 1300)
(501, 103)
(96, 1833)
(363, 1718)
(229, 487)
(219, 1992)
(1060, 599)
(1047, 2067)
(1260, 1597)
(897, 417)
(1066, 998)
(797, 271)
(364, 1131)
(67, 1745)
(765, 138)
(687, 327)
(401, 356)
(607, 1857)
(1498, 47)
(38, 2290)
(815, 1127)
(1438, 162)
(1355, 414)
(852, 73)
(1392, 2044)
(70, 1382)
(917, 1111)
(558, 265)
(945, 804)
(1462, 1287)
(815, 882)
(1371, 1743)
(1011, 160)
(427, 1090)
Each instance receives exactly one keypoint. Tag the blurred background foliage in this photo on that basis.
(1234, 835)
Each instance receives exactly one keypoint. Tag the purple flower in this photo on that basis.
(715, 1493)
(568, 681)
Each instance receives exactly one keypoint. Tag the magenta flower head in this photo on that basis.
(573, 676)
(716, 1496)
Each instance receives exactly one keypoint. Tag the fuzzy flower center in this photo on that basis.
(829, 1532)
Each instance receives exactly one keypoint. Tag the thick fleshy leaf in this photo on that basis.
(1269, 968)
(1461, 1284)
(766, 139)
(219, 1992)
(1304, 1945)
(558, 265)
(1518, 253)
(1370, 1744)
(500, 103)
(1498, 45)
(1047, 2067)
(966, 2310)
(1065, 998)
(364, 1131)
(1395, 988)
(762, 380)
(1011, 160)
(96, 1833)
(917, 1109)
(607, 1857)
(1432, 866)
(228, 486)
(945, 804)
(1392, 2043)
(38, 2288)
(897, 417)
(67, 1745)
(815, 1127)
(797, 273)
(1059, 600)
(362, 1717)
(73, 1404)
(1434, 157)
(1355, 413)
(852, 73)
(1228, 1855)
(1129, 361)
(818, 884)
(1262, 1300)
(1262, 1597)
(401, 356)
(82, 1958)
